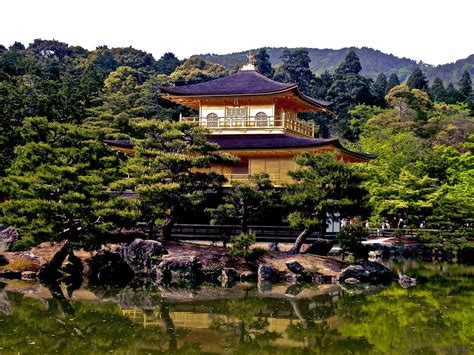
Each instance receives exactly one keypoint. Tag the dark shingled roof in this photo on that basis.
(245, 82)
(261, 142)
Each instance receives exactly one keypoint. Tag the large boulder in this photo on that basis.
(8, 237)
(178, 269)
(265, 273)
(369, 271)
(320, 247)
(295, 267)
(229, 275)
(142, 255)
(108, 268)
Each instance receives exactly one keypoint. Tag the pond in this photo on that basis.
(435, 316)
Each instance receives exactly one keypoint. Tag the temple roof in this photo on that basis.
(243, 83)
(264, 142)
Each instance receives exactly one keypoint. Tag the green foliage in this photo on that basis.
(241, 246)
(392, 82)
(196, 70)
(323, 186)
(263, 64)
(351, 236)
(295, 69)
(57, 184)
(167, 63)
(169, 171)
(465, 84)
(350, 65)
(254, 201)
(417, 80)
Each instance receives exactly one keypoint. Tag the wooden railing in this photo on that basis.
(276, 179)
(253, 123)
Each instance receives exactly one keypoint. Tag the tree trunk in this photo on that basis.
(170, 328)
(167, 228)
(300, 241)
(243, 218)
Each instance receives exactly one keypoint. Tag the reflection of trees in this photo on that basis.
(243, 328)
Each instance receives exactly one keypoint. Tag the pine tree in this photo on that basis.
(379, 88)
(417, 80)
(263, 64)
(295, 69)
(465, 84)
(169, 171)
(350, 65)
(57, 184)
(392, 82)
(323, 185)
(437, 90)
(167, 64)
(452, 95)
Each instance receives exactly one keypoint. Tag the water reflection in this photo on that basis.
(435, 316)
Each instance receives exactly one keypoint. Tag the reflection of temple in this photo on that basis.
(255, 118)
(203, 322)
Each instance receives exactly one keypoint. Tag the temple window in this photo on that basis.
(212, 120)
(262, 119)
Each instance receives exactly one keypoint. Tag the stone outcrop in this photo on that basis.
(265, 273)
(8, 237)
(229, 276)
(367, 272)
(295, 267)
(351, 281)
(109, 268)
(142, 255)
(51, 271)
(320, 247)
(179, 269)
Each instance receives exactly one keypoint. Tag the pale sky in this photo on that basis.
(435, 31)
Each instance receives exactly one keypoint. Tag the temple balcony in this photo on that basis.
(277, 179)
(252, 124)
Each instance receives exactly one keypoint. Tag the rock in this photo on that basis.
(291, 278)
(351, 281)
(109, 268)
(265, 273)
(10, 274)
(3, 260)
(8, 237)
(185, 268)
(375, 254)
(248, 276)
(323, 279)
(354, 271)
(51, 271)
(293, 290)
(229, 275)
(295, 267)
(142, 255)
(406, 281)
(320, 247)
(28, 275)
(273, 246)
(335, 252)
(369, 271)
(377, 272)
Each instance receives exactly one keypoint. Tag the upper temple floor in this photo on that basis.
(247, 102)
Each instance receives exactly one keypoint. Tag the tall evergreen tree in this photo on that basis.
(168, 171)
(379, 88)
(167, 63)
(323, 185)
(295, 69)
(465, 84)
(350, 65)
(452, 95)
(437, 91)
(392, 82)
(417, 80)
(263, 64)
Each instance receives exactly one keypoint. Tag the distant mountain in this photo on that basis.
(373, 62)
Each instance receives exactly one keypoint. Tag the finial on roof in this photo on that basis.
(251, 64)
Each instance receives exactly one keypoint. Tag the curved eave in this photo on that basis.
(187, 100)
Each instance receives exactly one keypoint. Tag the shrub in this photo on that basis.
(241, 246)
(350, 238)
